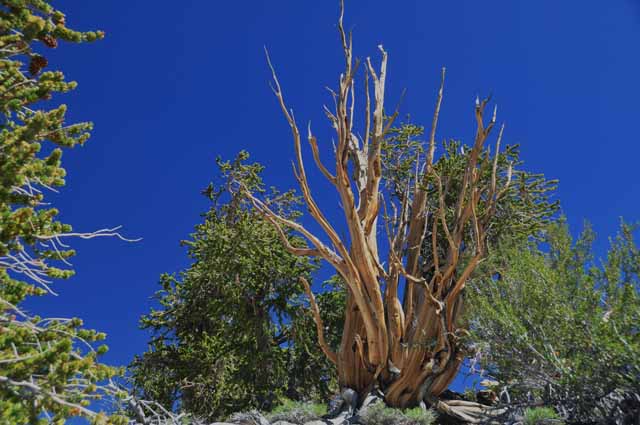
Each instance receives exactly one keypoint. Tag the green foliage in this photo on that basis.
(49, 369)
(233, 331)
(552, 321)
(297, 412)
(400, 149)
(541, 415)
(526, 206)
(419, 416)
(523, 211)
(306, 359)
(380, 414)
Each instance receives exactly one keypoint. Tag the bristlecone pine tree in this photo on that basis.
(411, 350)
(49, 368)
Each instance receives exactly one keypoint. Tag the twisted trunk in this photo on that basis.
(410, 350)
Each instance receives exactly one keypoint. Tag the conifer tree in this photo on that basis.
(232, 332)
(425, 236)
(49, 368)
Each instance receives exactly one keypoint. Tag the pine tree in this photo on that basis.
(49, 368)
(426, 235)
(233, 332)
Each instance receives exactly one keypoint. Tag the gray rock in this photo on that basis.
(249, 418)
(282, 423)
(341, 419)
(622, 407)
(335, 406)
(346, 400)
(350, 398)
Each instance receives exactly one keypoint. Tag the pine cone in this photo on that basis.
(56, 136)
(37, 63)
(49, 41)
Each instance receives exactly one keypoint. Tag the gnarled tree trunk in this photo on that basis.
(408, 349)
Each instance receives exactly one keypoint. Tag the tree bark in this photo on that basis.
(410, 350)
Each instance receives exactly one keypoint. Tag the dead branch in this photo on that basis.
(318, 320)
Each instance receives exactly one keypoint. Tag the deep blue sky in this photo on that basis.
(172, 87)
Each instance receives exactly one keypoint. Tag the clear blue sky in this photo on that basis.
(176, 83)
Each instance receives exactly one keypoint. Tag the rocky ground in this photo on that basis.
(345, 409)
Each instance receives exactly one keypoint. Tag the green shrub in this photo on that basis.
(419, 416)
(539, 415)
(296, 412)
(380, 414)
(556, 323)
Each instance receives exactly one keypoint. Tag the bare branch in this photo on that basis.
(112, 232)
(318, 320)
(316, 156)
(321, 249)
(434, 124)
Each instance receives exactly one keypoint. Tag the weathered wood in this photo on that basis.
(408, 349)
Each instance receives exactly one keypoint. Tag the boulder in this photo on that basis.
(347, 401)
(350, 398)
